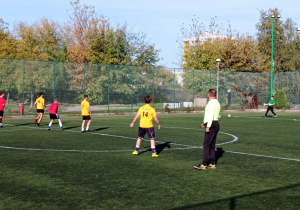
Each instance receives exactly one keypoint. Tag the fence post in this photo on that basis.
(131, 88)
(153, 87)
(53, 80)
(209, 79)
(108, 89)
(83, 78)
(257, 90)
(23, 86)
(290, 90)
(193, 87)
(174, 89)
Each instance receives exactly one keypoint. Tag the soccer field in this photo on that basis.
(258, 164)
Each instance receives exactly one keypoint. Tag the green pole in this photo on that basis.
(83, 78)
(290, 89)
(153, 87)
(193, 87)
(272, 55)
(271, 83)
(53, 80)
(131, 88)
(257, 89)
(23, 86)
(174, 89)
(209, 79)
(108, 89)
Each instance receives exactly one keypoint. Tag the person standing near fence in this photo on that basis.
(228, 97)
(271, 105)
(86, 114)
(2, 105)
(147, 114)
(40, 106)
(211, 125)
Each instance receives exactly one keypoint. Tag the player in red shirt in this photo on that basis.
(2, 104)
(53, 108)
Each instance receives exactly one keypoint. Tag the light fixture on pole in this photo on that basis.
(273, 18)
(218, 60)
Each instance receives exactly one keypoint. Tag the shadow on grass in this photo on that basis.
(22, 124)
(159, 148)
(99, 129)
(68, 128)
(232, 202)
(219, 154)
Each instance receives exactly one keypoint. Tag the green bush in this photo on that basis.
(280, 99)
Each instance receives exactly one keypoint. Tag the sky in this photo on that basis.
(160, 20)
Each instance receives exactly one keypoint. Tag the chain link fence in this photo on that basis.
(115, 88)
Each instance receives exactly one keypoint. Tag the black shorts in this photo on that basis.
(87, 117)
(1, 113)
(40, 111)
(54, 116)
(149, 131)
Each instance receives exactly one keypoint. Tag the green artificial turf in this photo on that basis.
(258, 165)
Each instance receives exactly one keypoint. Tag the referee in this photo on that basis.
(211, 125)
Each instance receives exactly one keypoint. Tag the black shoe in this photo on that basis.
(61, 129)
(88, 131)
(82, 131)
(1, 126)
(49, 129)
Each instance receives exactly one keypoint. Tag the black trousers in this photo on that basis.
(209, 144)
(268, 109)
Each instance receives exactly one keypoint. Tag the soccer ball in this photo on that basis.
(229, 115)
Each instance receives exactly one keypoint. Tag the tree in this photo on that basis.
(75, 31)
(286, 43)
(7, 66)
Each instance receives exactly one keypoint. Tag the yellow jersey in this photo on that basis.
(40, 103)
(147, 113)
(84, 108)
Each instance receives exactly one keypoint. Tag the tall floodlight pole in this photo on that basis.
(272, 18)
(218, 60)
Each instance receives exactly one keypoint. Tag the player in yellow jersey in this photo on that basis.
(147, 113)
(86, 114)
(40, 106)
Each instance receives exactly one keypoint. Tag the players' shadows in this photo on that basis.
(68, 128)
(159, 148)
(24, 124)
(219, 153)
(99, 129)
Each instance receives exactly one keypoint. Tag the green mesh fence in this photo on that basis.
(114, 88)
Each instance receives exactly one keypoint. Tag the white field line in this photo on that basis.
(235, 138)
(277, 118)
(266, 156)
(103, 151)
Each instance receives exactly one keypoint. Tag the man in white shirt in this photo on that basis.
(211, 125)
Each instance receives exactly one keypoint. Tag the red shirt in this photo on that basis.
(53, 108)
(2, 103)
